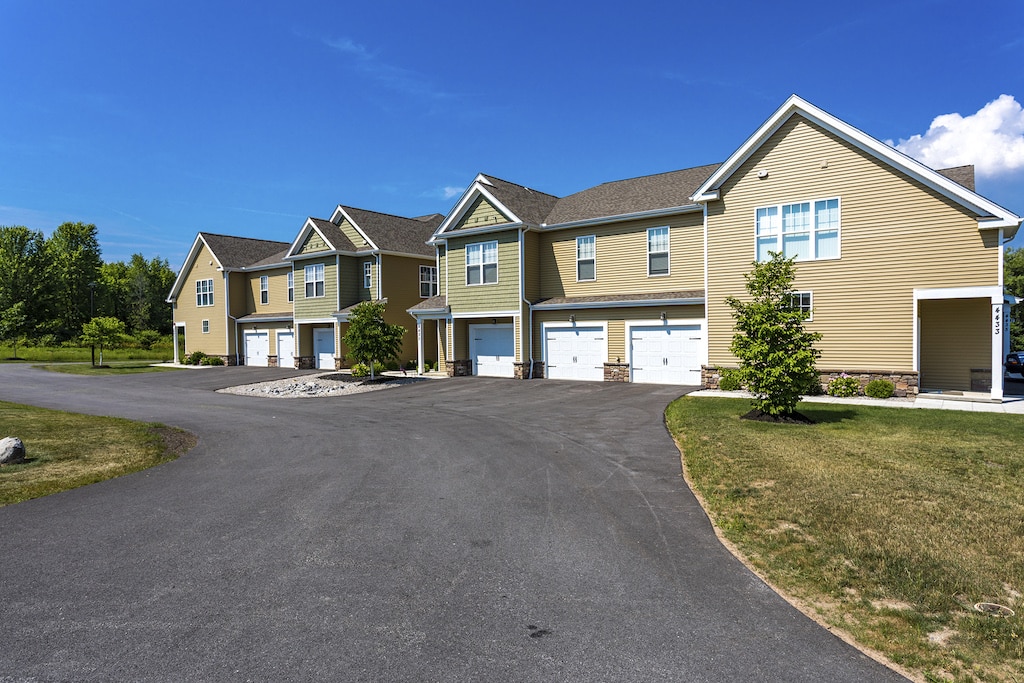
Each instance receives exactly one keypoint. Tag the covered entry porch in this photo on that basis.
(960, 340)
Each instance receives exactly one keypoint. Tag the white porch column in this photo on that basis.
(174, 330)
(419, 346)
(1000, 339)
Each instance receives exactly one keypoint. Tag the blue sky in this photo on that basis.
(157, 120)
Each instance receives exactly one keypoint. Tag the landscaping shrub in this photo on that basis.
(194, 358)
(844, 386)
(211, 360)
(363, 370)
(879, 388)
(392, 365)
(410, 365)
(730, 381)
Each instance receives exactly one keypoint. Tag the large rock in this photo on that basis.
(12, 451)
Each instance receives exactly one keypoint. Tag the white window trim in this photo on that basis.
(594, 259)
(810, 304)
(813, 229)
(667, 252)
(291, 286)
(206, 327)
(206, 295)
(306, 281)
(264, 290)
(482, 263)
(367, 274)
(431, 281)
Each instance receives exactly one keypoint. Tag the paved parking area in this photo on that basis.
(459, 530)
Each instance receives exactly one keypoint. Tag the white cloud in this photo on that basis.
(992, 139)
(450, 191)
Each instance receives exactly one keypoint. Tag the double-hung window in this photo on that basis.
(585, 258)
(801, 301)
(314, 279)
(264, 289)
(482, 263)
(657, 251)
(367, 274)
(291, 286)
(204, 292)
(805, 230)
(428, 281)
(206, 327)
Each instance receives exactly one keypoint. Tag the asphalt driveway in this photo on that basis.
(460, 530)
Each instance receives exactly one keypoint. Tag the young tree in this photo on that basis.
(103, 332)
(1013, 279)
(370, 338)
(776, 354)
(14, 324)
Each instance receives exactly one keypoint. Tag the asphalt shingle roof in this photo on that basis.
(646, 193)
(335, 235)
(396, 233)
(964, 175)
(529, 205)
(434, 303)
(243, 252)
(620, 298)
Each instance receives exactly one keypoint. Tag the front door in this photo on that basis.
(323, 347)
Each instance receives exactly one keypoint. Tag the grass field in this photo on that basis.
(68, 450)
(108, 368)
(890, 524)
(61, 354)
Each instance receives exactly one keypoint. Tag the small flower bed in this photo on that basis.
(844, 386)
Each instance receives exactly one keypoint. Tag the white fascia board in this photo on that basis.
(469, 232)
(477, 189)
(620, 304)
(297, 242)
(915, 169)
(993, 293)
(310, 321)
(652, 213)
(430, 314)
(274, 319)
(486, 314)
(341, 210)
(179, 281)
(252, 269)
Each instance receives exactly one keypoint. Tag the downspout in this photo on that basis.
(235, 320)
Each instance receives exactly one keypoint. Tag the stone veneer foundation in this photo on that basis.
(460, 368)
(905, 384)
(522, 370)
(616, 372)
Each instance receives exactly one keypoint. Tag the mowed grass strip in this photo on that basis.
(891, 524)
(113, 368)
(68, 450)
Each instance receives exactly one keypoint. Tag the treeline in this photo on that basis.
(50, 286)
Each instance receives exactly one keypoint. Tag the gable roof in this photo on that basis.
(391, 233)
(634, 195)
(990, 215)
(230, 253)
(519, 204)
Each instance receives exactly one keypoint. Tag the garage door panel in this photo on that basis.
(257, 348)
(576, 353)
(669, 354)
(286, 350)
(492, 349)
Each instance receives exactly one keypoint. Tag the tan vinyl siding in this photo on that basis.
(186, 312)
(954, 340)
(442, 272)
(402, 291)
(444, 343)
(616, 319)
(621, 258)
(500, 296)
(278, 284)
(895, 235)
(481, 213)
(317, 307)
(314, 243)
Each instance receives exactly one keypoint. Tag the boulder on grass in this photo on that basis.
(12, 451)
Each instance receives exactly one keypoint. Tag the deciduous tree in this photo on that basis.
(103, 332)
(370, 338)
(1013, 281)
(776, 353)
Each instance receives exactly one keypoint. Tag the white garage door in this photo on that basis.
(286, 349)
(666, 354)
(257, 348)
(575, 353)
(492, 349)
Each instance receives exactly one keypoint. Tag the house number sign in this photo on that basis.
(997, 320)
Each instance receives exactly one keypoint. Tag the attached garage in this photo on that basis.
(323, 347)
(575, 352)
(492, 349)
(257, 348)
(286, 349)
(666, 354)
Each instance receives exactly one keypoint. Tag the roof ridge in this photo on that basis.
(390, 215)
(239, 237)
(524, 187)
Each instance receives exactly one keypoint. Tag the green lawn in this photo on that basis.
(114, 368)
(891, 524)
(62, 354)
(68, 450)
